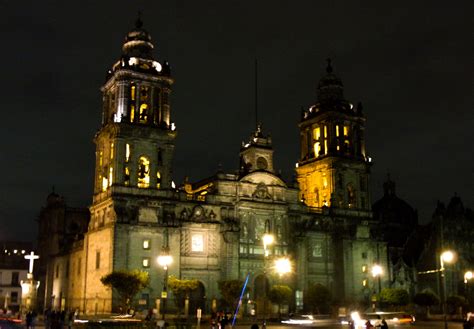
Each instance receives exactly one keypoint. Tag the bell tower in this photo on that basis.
(257, 153)
(333, 169)
(134, 153)
(134, 146)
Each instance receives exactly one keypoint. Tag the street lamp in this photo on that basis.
(445, 257)
(282, 266)
(467, 276)
(164, 260)
(376, 273)
(268, 240)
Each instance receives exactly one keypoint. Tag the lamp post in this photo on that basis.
(268, 240)
(376, 273)
(282, 266)
(445, 257)
(164, 260)
(467, 276)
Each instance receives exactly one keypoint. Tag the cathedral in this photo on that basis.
(213, 228)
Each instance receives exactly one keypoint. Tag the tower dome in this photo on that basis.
(330, 87)
(138, 42)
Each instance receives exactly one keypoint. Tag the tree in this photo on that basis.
(456, 302)
(230, 291)
(280, 294)
(426, 298)
(127, 284)
(181, 289)
(394, 297)
(318, 298)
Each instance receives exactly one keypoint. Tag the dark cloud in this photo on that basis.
(410, 63)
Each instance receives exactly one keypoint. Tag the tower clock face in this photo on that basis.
(262, 163)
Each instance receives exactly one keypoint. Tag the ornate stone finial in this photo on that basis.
(329, 67)
(139, 22)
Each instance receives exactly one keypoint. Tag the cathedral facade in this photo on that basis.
(214, 228)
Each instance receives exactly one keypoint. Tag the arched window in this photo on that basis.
(105, 183)
(144, 101)
(143, 113)
(159, 157)
(132, 113)
(143, 172)
(340, 181)
(351, 196)
(267, 227)
(347, 143)
(111, 175)
(126, 178)
(158, 179)
(127, 152)
(279, 232)
(245, 231)
(317, 139)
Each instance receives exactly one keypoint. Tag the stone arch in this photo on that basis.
(351, 196)
(197, 299)
(261, 286)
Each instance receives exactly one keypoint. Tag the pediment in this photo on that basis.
(263, 177)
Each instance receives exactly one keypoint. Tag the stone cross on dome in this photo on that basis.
(31, 257)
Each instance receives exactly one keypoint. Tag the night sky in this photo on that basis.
(410, 63)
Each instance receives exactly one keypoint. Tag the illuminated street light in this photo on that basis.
(376, 270)
(467, 277)
(268, 240)
(448, 257)
(282, 266)
(164, 260)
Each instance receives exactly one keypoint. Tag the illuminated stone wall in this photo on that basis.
(215, 227)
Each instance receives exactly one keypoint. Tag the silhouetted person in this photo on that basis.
(254, 326)
(384, 324)
(47, 318)
(29, 320)
(224, 321)
(368, 325)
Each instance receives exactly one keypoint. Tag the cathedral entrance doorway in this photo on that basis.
(197, 299)
(261, 288)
